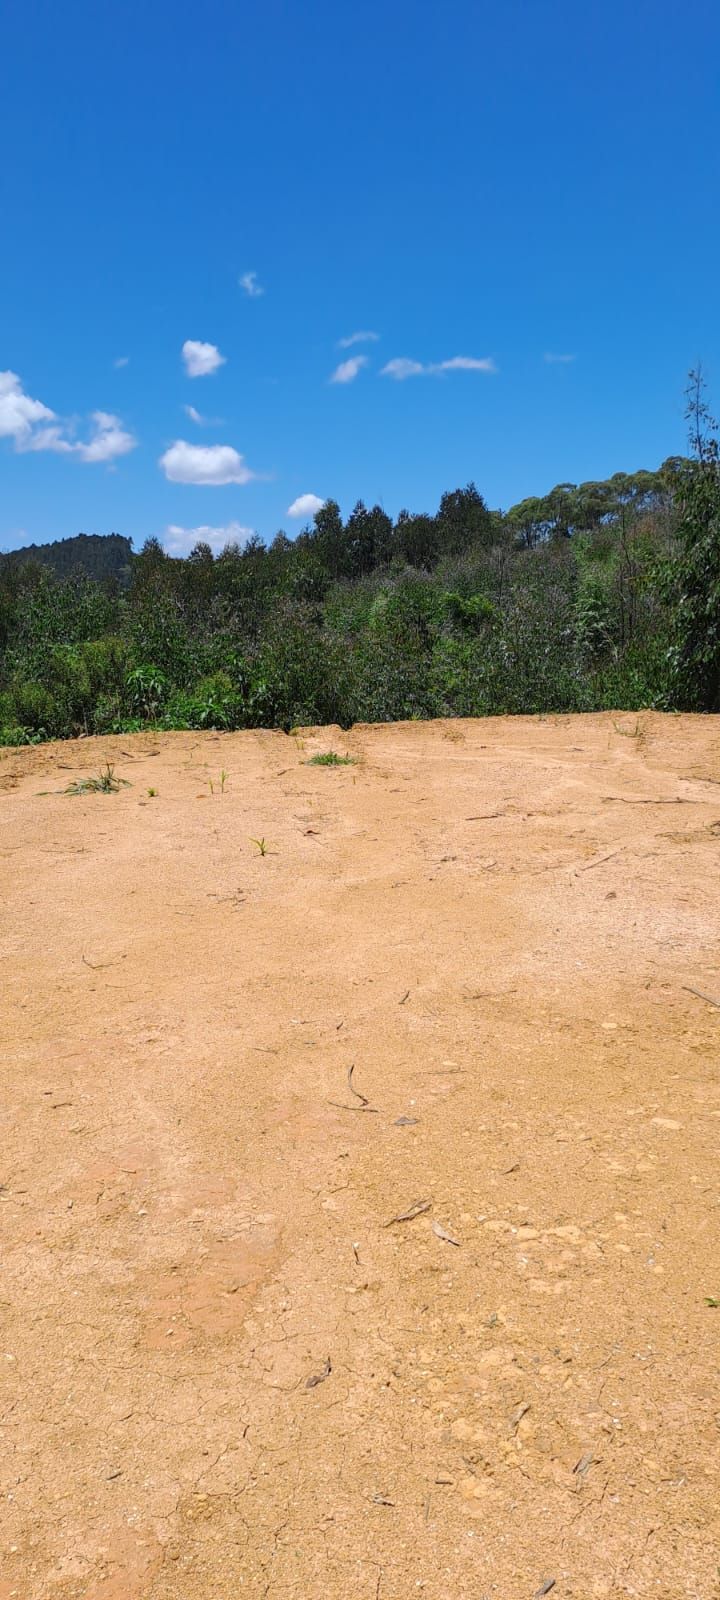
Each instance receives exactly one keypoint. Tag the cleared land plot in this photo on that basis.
(226, 1370)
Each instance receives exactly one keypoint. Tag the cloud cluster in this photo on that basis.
(306, 505)
(348, 370)
(33, 426)
(201, 359)
(179, 541)
(249, 282)
(556, 360)
(401, 367)
(204, 464)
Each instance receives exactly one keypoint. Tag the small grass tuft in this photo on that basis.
(152, 793)
(103, 782)
(261, 844)
(330, 758)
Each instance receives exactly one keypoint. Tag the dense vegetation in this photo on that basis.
(596, 595)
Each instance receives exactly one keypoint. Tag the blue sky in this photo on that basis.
(493, 182)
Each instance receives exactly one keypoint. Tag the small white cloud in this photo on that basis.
(121, 361)
(400, 368)
(108, 440)
(348, 370)
(249, 283)
(201, 421)
(211, 464)
(365, 336)
(18, 412)
(465, 364)
(557, 360)
(201, 359)
(305, 506)
(180, 541)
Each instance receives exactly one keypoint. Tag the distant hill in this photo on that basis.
(101, 556)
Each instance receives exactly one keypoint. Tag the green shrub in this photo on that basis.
(212, 703)
(32, 706)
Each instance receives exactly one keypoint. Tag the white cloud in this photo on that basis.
(465, 364)
(201, 359)
(401, 368)
(348, 370)
(201, 421)
(555, 360)
(305, 506)
(212, 464)
(107, 441)
(249, 283)
(180, 541)
(364, 337)
(122, 361)
(18, 412)
(20, 416)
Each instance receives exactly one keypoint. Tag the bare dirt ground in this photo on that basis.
(226, 1371)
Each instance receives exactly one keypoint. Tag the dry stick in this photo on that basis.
(415, 1210)
(361, 1097)
(711, 1002)
(629, 800)
(405, 997)
(590, 864)
(364, 1102)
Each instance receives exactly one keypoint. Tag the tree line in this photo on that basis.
(597, 595)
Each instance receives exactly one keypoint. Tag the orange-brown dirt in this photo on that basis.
(225, 1371)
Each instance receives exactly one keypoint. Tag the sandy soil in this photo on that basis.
(225, 1370)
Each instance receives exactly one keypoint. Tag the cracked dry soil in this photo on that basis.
(224, 1370)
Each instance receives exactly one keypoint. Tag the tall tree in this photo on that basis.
(463, 520)
(697, 644)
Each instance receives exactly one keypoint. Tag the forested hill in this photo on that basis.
(100, 556)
